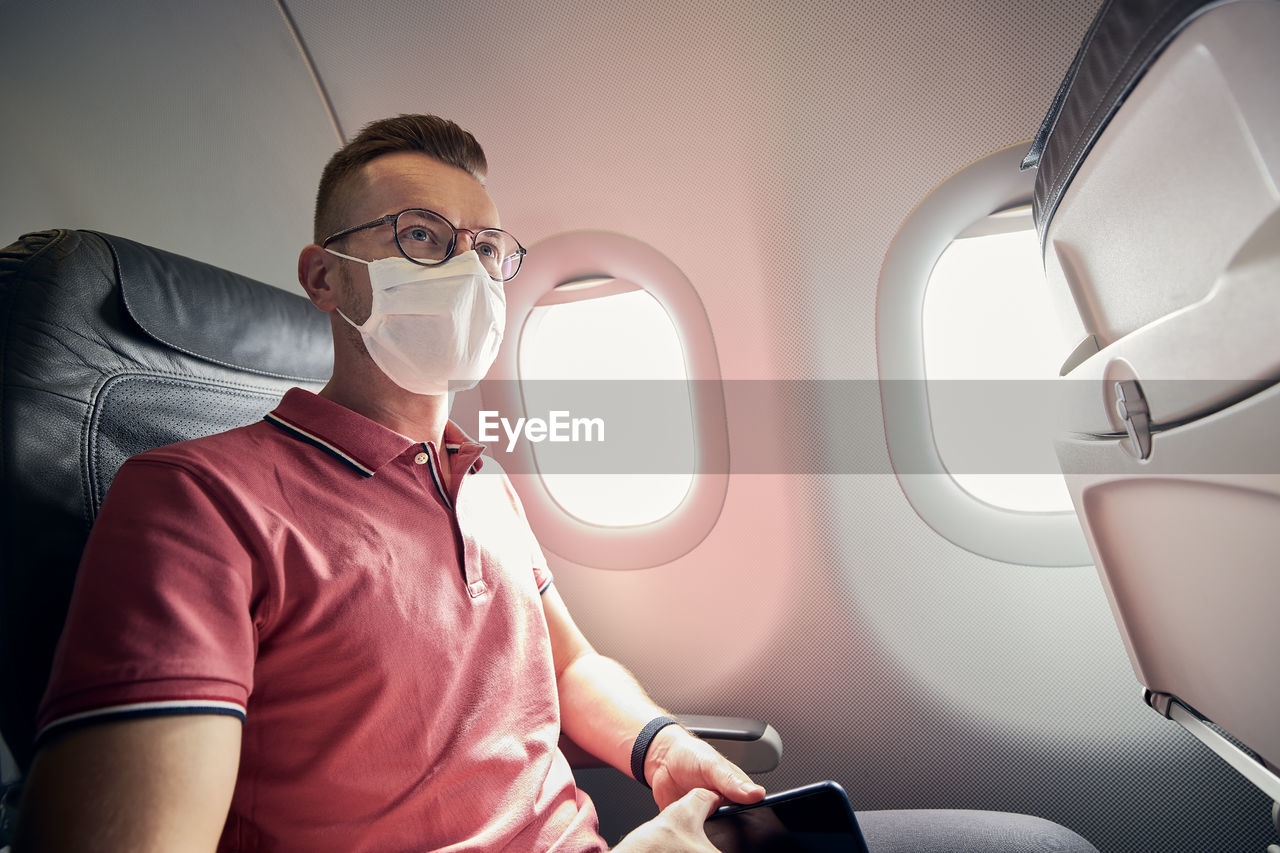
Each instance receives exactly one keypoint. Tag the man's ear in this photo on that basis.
(317, 278)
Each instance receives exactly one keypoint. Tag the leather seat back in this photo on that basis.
(110, 348)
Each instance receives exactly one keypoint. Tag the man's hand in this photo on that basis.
(678, 763)
(677, 828)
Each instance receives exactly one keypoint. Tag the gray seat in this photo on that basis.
(952, 830)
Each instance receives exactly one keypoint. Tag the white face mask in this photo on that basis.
(432, 329)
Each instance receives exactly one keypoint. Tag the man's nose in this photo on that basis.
(470, 244)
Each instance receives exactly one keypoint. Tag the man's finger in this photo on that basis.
(738, 786)
(698, 804)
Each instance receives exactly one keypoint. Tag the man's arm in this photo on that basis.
(160, 784)
(603, 708)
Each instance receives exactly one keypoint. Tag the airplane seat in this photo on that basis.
(1157, 206)
(111, 348)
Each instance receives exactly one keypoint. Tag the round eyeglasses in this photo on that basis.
(425, 237)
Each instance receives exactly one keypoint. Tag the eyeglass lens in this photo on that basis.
(426, 236)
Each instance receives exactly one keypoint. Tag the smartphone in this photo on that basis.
(813, 819)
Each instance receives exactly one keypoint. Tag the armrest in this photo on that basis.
(753, 745)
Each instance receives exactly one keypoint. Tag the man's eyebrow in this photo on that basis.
(451, 220)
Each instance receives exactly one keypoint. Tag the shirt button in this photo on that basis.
(421, 458)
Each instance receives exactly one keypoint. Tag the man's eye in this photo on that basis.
(418, 235)
(487, 250)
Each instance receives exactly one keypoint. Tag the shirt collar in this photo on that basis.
(364, 444)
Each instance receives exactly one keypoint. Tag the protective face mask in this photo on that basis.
(432, 329)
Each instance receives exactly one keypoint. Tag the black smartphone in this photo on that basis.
(813, 819)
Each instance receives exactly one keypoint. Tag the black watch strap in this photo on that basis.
(641, 747)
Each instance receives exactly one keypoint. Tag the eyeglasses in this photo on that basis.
(425, 237)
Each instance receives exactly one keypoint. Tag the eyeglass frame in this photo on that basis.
(391, 218)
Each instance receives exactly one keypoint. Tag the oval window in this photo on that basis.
(967, 358)
(990, 334)
(594, 334)
(607, 336)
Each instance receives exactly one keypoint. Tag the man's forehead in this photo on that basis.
(404, 179)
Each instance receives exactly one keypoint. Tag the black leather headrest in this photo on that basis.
(109, 348)
(222, 317)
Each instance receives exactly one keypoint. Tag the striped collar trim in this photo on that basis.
(363, 444)
(315, 440)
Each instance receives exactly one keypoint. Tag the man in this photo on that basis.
(333, 630)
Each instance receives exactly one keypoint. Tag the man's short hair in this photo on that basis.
(436, 137)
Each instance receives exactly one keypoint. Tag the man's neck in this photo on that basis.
(421, 417)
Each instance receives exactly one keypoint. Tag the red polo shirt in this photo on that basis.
(383, 639)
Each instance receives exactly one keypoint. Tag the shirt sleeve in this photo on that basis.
(160, 619)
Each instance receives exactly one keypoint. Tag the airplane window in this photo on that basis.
(988, 318)
(629, 337)
(966, 365)
(606, 335)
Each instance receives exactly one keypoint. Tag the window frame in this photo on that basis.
(990, 184)
(580, 255)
